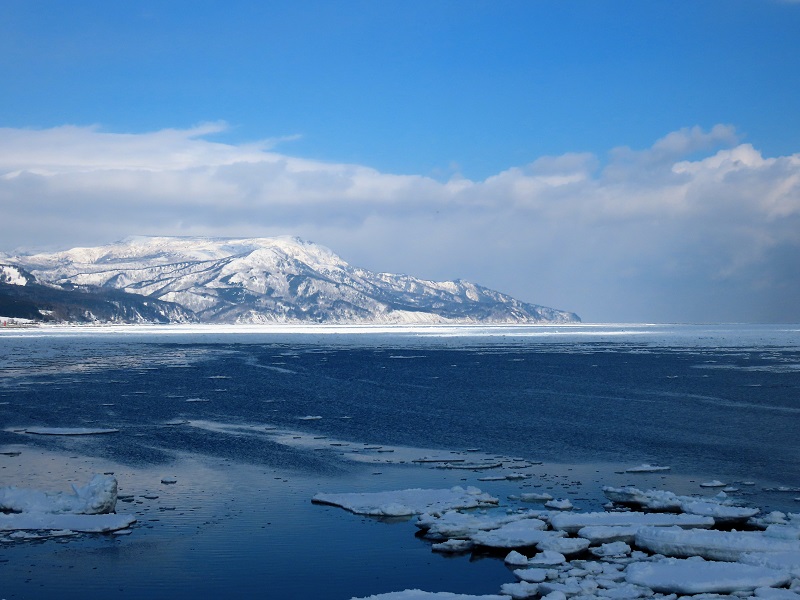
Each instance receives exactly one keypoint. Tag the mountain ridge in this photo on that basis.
(276, 280)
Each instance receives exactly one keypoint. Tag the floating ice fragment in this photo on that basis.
(720, 513)
(469, 466)
(564, 545)
(515, 559)
(788, 561)
(651, 499)
(455, 524)
(408, 502)
(509, 477)
(555, 596)
(68, 431)
(770, 593)
(452, 546)
(601, 534)
(547, 558)
(94, 523)
(710, 544)
(168, 480)
(713, 484)
(647, 468)
(532, 575)
(572, 522)
(534, 497)
(310, 418)
(521, 590)
(559, 504)
(517, 534)
(99, 496)
(420, 595)
(696, 576)
(612, 549)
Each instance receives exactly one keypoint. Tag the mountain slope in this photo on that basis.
(284, 279)
(22, 297)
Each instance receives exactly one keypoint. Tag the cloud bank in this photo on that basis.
(700, 226)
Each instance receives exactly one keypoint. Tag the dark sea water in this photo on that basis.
(227, 413)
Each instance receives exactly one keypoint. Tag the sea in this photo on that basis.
(220, 436)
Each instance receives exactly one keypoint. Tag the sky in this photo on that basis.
(631, 161)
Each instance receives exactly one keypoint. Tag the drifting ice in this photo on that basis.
(98, 497)
(606, 553)
(87, 509)
(405, 503)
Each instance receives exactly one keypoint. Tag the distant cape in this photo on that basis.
(252, 280)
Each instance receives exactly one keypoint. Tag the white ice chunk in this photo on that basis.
(535, 497)
(712, 484)
(97, 523)
(515, 559)
(720, 512)
(517, 534)
(420, 595)
(455, 524)
(559, 504)
(770, 593)
(564, 545)
(453, 546)
(652, 499)
(600, 534)
(572, 522)
(532, 575)
(408, 502)
(788, 561)
(710, 544)
(68, 431)
(784, 532)
(548, 558)
(521, 590)
(697, 576)
(647, 468)
(612, 549)
(625, 591)
(99, 496)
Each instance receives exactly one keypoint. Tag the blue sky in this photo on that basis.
(536, 147)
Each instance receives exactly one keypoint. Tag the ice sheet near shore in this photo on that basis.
(617, 555)
(88, 509)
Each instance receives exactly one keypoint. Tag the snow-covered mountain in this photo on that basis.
(282, 279)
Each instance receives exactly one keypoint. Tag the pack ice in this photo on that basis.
(689, 551)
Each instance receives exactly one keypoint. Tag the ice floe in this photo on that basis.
(647, 468)
(711, 544)
(697, 576)
(408, 502)
(88, 509)
(572, 522)
(420, 595)
(99, 496)
(101, 523)
(68, 431)
(720, 507)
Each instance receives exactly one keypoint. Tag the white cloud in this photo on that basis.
(698, 225)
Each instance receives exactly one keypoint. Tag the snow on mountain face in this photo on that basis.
(283, 279)
(13, 275)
